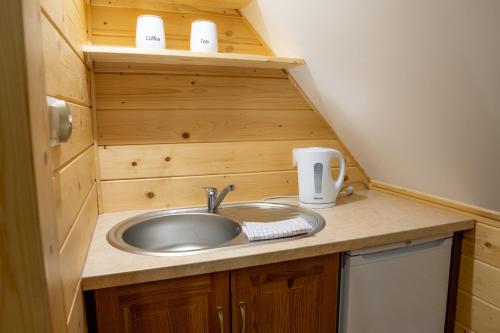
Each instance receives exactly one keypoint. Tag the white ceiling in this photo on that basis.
(411, 87)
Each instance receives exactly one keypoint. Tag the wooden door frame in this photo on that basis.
(30, 284)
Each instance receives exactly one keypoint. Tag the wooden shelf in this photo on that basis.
(129, 55)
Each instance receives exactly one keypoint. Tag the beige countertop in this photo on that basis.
(368, 218)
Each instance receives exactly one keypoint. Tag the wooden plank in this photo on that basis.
(96, 151)
(148, 161)
(168, 6)
(81, 137)
(115, 54)
(65, 74)
(69, 18)
(190, 70)
(480, 279)
(149, 91)
(118, 127)
(483, 243)
(187, 191)
(487, 221)
(77, 322)
(74, 250)
(163, 4)
(477, 314)
(121, 23)
(30, 289)
(71, 186)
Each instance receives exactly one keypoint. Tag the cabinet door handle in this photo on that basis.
(243, 315)
(220, 312)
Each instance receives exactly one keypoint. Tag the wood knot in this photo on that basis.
(150, 195)
(346, 178)
(168, 159)
(488, 245)
(229, 33)
(185, 135)
(229, 49)
(134, 163)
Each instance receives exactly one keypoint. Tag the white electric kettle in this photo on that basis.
(317, 189)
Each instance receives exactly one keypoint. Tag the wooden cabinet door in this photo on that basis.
(185, 305)
(290, 297)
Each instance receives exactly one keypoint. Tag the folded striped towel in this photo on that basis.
(270, 230)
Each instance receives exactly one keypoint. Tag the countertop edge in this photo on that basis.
(211, 266)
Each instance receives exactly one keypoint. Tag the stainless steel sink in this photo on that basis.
(190, 231)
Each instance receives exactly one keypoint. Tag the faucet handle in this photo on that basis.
(210, 190)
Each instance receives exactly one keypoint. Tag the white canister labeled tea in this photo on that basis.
(204, 36)
(150, 32)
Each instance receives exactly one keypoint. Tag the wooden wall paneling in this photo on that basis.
(152, 193)
(483, 243)
(81, 136)
(168, 6)
(147, 91)
(124, 127)
(480, 279)
(148, 161)
(77, 321)
(115, 26)
(71, 186)
(221, 5)
(74, 250)
(88, 21)
(64, 33)
(30, 285)
(187, 70)
(69, 17)
(66, 75)
(96, 148)
(476, 314)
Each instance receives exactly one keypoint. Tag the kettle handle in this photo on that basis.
(340, 180)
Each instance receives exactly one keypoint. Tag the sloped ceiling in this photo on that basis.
(411, 87)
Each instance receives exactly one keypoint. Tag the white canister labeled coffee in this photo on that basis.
(204, 36)
(150, 32)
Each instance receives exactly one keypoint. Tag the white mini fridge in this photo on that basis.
(399, 288)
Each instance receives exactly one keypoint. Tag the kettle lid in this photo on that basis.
(313, 150)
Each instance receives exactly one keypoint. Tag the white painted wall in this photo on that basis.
(411, 86)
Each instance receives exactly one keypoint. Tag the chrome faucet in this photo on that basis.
(214, 201)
